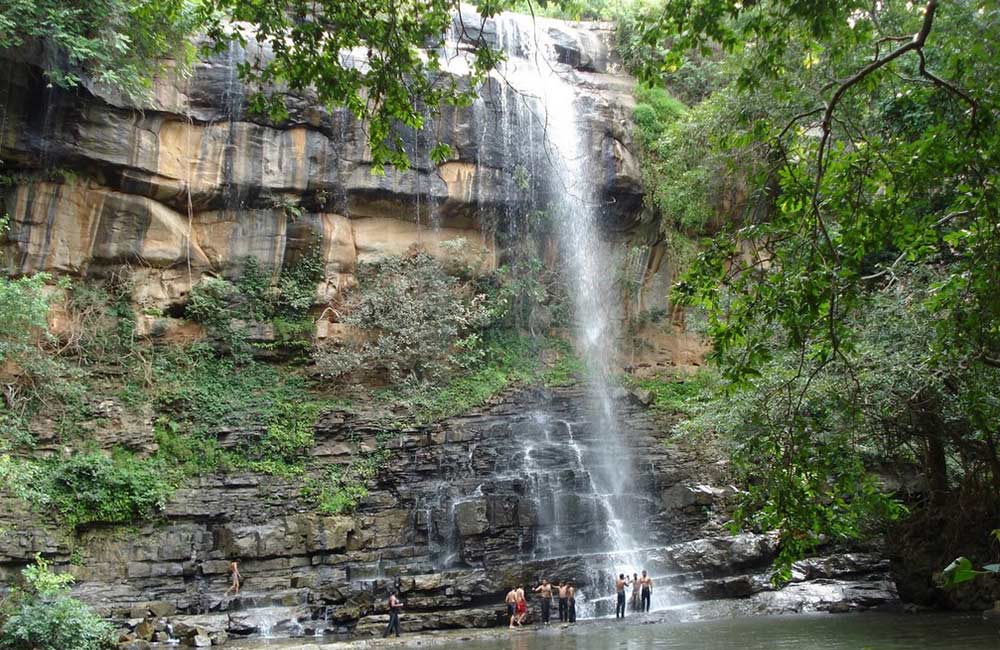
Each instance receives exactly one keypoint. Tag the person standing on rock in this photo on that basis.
(511, 601)
(394, 606)
(620, 585)
(571, 593)
(545, 591)
(235, 578)
(635, 592)
(563, 602)
(647, 591)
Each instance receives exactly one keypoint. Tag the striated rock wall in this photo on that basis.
(192, 183)
(455, 521)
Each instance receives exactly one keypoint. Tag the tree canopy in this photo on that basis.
(852, 297)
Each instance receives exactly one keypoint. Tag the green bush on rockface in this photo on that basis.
(415, 320)
(40, 615)
(227, 308)
(93, 487)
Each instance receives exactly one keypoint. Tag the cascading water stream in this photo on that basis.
(537, 90)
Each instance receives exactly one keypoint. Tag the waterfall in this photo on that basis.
(540, 94)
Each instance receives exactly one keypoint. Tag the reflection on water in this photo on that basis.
(812, 632)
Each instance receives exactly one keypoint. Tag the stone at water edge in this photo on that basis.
(145, 630)
(137, 644)
(198, 641)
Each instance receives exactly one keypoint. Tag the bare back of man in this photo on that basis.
(511, 601)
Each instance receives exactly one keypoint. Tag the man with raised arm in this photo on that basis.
(544, 590)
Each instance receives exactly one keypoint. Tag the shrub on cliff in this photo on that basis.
(40, 615)
(415, 322)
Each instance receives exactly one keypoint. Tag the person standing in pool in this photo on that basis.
(647, 591)
(634, 601)
(571, 597)
(563, 602)
(511, 601)
(545, 591)
(521, 606)
(620, 585)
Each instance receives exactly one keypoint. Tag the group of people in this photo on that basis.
(642, 592)
(517, 603)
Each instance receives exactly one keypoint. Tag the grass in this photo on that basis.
(677, 395)
(507, 360)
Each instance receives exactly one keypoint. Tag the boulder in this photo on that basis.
(198, 641)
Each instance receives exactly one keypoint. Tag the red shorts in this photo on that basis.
(522, 608)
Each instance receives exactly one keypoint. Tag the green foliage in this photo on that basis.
(228, 308)
(414, 318)
(92, 487)
(655, 110)
(505, 359)
(961, 570)
(119, 43)
(684, 395)
(853, 304)
(287, 442)
(42, 616)
(570, 9)
(394, 85)
(341, 489)
(567, 369)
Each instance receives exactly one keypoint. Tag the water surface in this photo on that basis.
(799, 632)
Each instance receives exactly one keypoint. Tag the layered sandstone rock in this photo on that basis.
(191, 183)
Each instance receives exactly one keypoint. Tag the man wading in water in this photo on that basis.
(563, 602)
(635, 593)
(521, 606)
(620, 585)
(647, 590)
(394, 606)
(511, 601)
(572, 602)
(545, 591)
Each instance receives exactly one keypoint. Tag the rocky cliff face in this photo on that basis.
(457, 519)
(191, 182)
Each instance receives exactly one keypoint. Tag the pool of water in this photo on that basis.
(869, 631)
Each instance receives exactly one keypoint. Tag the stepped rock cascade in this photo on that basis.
(574, 482)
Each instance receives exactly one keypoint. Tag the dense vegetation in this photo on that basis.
(429, 341)
(39, 614)
(851, 152)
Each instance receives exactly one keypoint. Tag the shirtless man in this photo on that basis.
(521, 606)
(511, 601)
(571, 593)
(545, 591)
(635, 592)
(235, 577)
(620, 585)
(563, 602)
(646, 583)
(395, 604)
